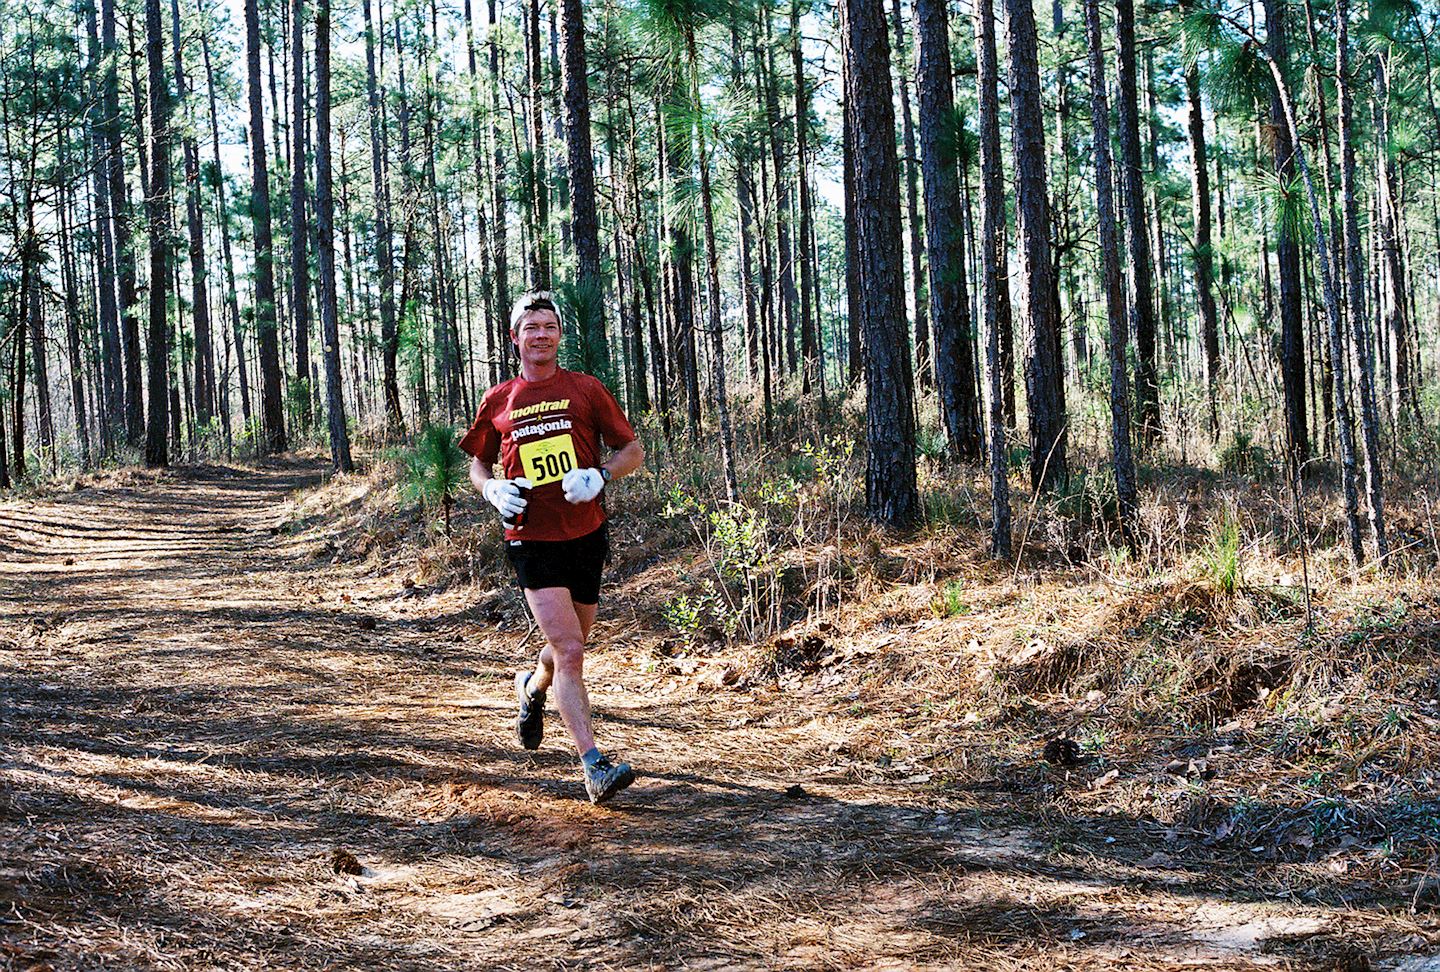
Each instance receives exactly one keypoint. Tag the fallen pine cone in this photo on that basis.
(345, 862)
(1063, 751)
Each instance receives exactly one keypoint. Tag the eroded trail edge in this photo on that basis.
(203, 720)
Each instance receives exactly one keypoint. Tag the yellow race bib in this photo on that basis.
(548, 460)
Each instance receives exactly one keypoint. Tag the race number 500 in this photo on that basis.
(548, 460)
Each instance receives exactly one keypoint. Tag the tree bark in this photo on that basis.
(111, 367)
(1044, 374)
(299, 222)
(222, 217)
(1147, 391)
(585, 229)
(1287, 253)
(272, 405)
(891, 496)
(784, 252)
(992, 280)
(540, 254)
(924, 367)
(204, 361)
(712, 282)
(384, 255)
(325, 220)
(157, 209)
(121, 232)
(809, 329)
(497, 181)
(949, 302)
(1359, 319)
(1114, 282)
(1203, 254)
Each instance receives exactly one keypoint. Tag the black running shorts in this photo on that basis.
(574, 564)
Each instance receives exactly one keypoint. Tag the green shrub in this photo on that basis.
(434, 470)
(1244, 457)
(950, 600)
(1222, 556)
(1090, 498)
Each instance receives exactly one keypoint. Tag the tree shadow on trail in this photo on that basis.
(184, 792)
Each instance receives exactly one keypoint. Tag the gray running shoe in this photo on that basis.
(530, 724)
(605, 779)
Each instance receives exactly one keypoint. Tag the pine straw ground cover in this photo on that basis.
(252, 722)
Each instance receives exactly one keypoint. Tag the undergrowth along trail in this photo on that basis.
(210, 723)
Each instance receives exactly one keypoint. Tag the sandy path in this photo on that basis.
(195, 717)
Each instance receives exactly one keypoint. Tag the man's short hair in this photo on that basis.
(532, 300)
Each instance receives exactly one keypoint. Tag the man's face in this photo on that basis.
(537, 335)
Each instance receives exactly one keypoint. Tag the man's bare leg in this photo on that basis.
(545, 666)
(565, 625)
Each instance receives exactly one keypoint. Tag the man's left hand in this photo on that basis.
(582, 485)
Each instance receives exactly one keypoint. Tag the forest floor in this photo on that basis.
(208, 722)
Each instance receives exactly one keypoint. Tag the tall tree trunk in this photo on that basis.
(1287, 252)
(923, 364)
(1392, 306)
(222, 217)
(712, 282)
(1360, 330)
(891, 496)
(809, 313)
(111, 367)
(325, 219)
(157, 209)
(69, 283)
(299, 222)
(1137, 231)
(585, 231)
(497, 180)
(204, 404)
(540, 253)
(1204, 256)
(1331, 293)
(784, 252)
(272, 404)
(482, 204)
(742, 151)
(22, 325)
(855, 363)
(446, 341)
(949, 302)
(384, 255)
(34, 312)
(1044, 370)
(1114, 281)
(682, 256)
(121, 231)
(992, 279)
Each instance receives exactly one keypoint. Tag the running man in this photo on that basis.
(546, 427)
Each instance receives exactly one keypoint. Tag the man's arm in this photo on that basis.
(627, 459)
(479, 474)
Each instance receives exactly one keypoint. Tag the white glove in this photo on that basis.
(582, 485)
(504, 495)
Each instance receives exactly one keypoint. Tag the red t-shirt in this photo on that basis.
(541, 430)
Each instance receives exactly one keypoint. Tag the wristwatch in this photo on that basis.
(606, 474)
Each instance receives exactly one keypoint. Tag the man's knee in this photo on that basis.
(568, 654)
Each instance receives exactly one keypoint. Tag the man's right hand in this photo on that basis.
(504, 494)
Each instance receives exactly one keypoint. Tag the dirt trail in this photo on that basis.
(197, 713)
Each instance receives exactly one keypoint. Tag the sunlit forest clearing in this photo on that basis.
(1033, 561)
